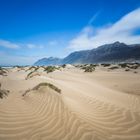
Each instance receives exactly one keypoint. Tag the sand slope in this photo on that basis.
(87, 109)
(40, 115)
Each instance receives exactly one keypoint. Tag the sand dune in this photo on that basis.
(90, 106)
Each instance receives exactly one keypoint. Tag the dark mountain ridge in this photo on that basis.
(108, 53)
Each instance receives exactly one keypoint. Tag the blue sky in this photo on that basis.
(33, 29)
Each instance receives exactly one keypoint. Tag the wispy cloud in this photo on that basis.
(11, 45)
(8, 44)
(123, 30)
(93, 18)
(30, 46)
(33, 46)
(52, 43)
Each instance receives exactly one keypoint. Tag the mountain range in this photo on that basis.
(108, 53)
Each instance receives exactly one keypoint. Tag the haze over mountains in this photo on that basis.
(108, 53)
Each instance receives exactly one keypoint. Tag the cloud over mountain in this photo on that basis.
(123, 30)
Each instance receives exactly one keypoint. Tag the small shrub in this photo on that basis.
(32, 67)
(133, 67)
(28, 90)
(3, 72)
(89, 68)
(49, 85)
(3, 93)
(32, 74)
(36, 68)
(105, 65)
(135, 72)
(94, 65)
(129, 65)
(29, 74)
(81, 66)
(77, 66)
(114, 67)
(127, 69)
(64, 65)
(43, 84)
(50, 69)
(123, 65)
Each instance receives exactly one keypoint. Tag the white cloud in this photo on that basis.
(8, 44)
(122, 30)
(11, 45)
(31, 46)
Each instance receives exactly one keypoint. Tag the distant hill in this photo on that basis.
(111, 53)
(48, 61)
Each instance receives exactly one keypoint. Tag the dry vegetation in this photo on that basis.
(34, 70)
(114, 67)
(41, 85)
(125, 66)
(88, 68)
(106, 102)
(129, 65)
(64, 65)
(3, 92)
(49, 69)
(3, 72)
(32, 74)
(48, 85)
(105, 65)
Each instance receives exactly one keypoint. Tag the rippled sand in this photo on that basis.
(100, 105)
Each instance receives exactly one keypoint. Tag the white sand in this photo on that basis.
(92, 106)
